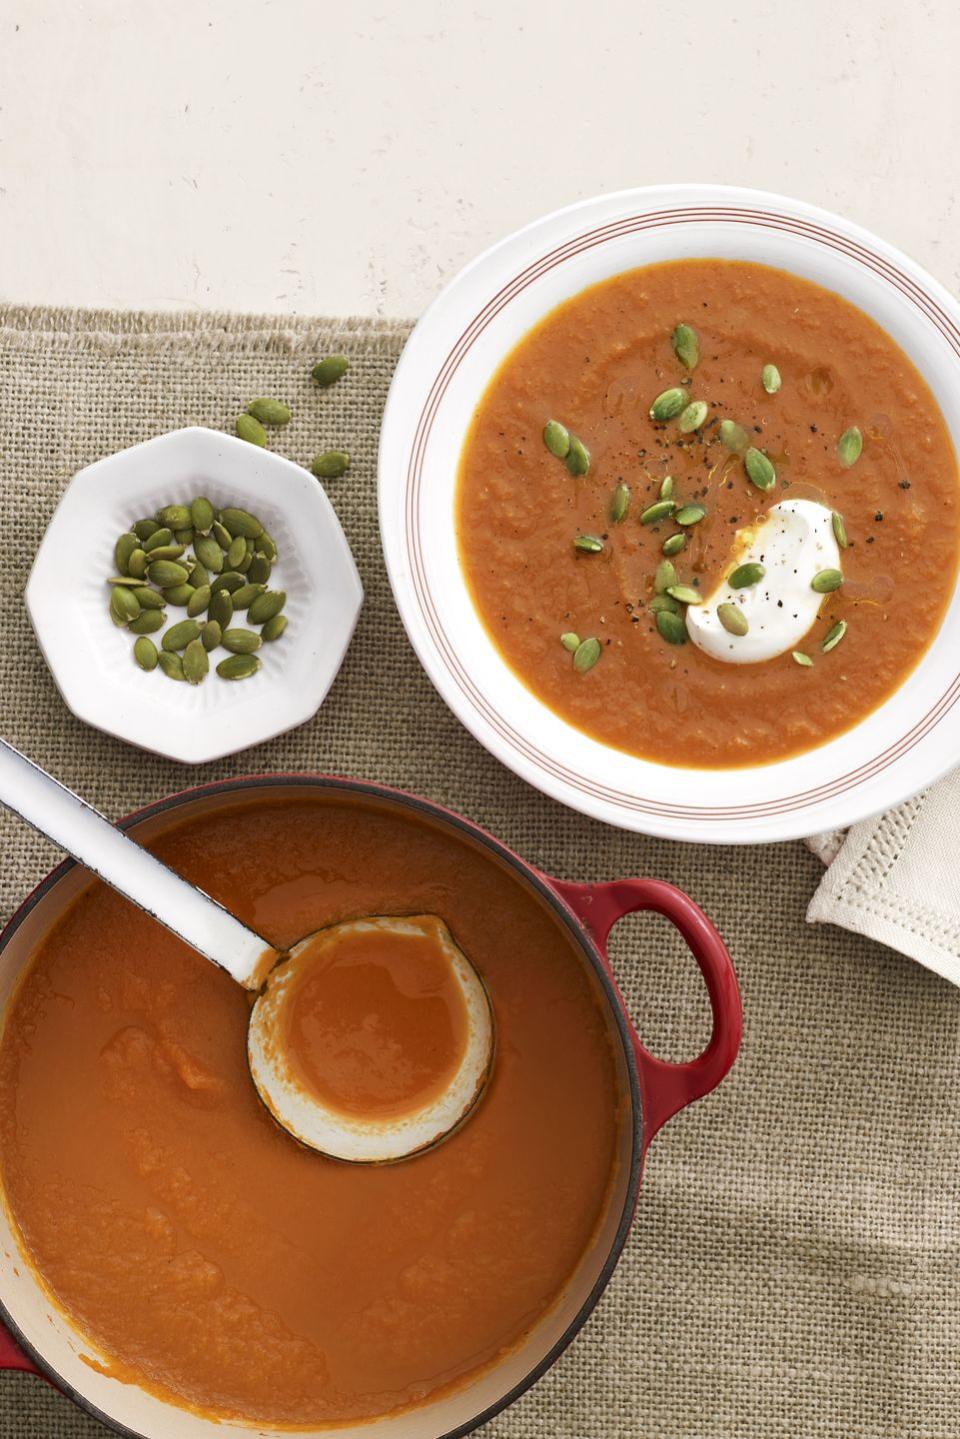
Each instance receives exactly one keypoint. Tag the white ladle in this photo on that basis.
(248, 958)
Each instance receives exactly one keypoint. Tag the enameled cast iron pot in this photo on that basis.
(40, 1338)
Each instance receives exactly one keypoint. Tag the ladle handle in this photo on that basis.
(120, 862)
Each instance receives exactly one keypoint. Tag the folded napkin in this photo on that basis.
(896, 878)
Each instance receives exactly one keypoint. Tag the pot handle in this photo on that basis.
(667, 1088)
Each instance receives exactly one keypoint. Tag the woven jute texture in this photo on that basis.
(793, 1269)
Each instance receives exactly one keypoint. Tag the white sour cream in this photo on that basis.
(793, 542)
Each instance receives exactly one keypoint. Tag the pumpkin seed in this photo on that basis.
(588, 544)
(265, 545)
(686, 594)
(221, 534)
(165, 573)
(664, 602)
(825, 581)
(274, 628)
(178, 595)
(196, 666)
(833, 636)
(265, 606)
(130, 581)
(850, 446)
(734, 436)
(690, 515)
(246, 559)
(161, 536)
(666, 488)
(241, 642)
(269, 412)
(586, 655)
(220, 608)
(148, 622)
(162, 552)
(143, 529)
(578, 457)
(839, 529)
(657, 511)
(668, 404)
(230, 580)
(733, 619)
(746, 575)
(673, 544)
(671, 627)
(330, 465)
(241, 522)
(686, 346)
(198, 576)
(184, 537)
(149, 599)
(693, 416)
(209, 553)
(570, 640)
(198, 601)
(175, 517)
(171, 665)
(760, 471)
(145, 653)
(178, 636)
(556, 437)
(259, 570)
(802, 659)
(664, 577)
(123, 549)
(124, 605)
(236, 553)
(238, 667)
(770, 379)
(620, 503)
(330, 370)
(244, 597)
(210, 635)
(251, 430)
(201, 514)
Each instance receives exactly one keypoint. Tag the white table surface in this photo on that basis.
(347, 156)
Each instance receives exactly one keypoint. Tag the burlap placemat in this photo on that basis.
(793, 1267)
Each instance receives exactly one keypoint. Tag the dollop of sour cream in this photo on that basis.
(793, 542)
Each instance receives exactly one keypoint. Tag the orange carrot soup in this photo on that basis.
(708, 512)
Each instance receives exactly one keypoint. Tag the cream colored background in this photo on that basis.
(347, 156)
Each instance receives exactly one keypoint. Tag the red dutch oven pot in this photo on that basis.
(41, 1340)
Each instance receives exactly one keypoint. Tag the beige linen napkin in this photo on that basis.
(896, 878)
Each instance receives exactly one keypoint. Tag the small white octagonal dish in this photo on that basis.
(92, 661)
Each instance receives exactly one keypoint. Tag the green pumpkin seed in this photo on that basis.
(246, 560)
(666, 488)
(330, 465)
(175, 517)
(161, 536)
(671, 627)
(586, 655)
(124, 605)
(220, 608)
(686, 594)
(241, 642)
(826, 581)
(148, 622)
(269, 412)
(664, 577)
(327, 372)
(238, 667)
(251, 430)
(620, 503)
(123, 549)
(839, 529)
(588, 544)
(230, 581)
(760, 471)
(145, 653)
(659, 510)
(178, 636)
(162, 552)
(149, 599)
(686, 346)
(209, 553)
(259, 570)
(668, 404)
(198, 601)
(734, 436)
(165, 573)
(690, 515)
(274, 628)
(733, 619)
(138, 562)
(693, 416)
(130, 581)
(850, 446)
(556, 437)
(578, 457)
(244, 597)
(178, 595)
(210, 635)
(746, 575)
(198, 576)
(201, 515)
(673, 544)
(265, 606)
(241, 522)
(265, 545)
(236, 553)
(665, 602)
(770, 379)
(184, 537)
(221, 534)
(802, 659)
(171, 665)
(143, 529)
(196, 666)
(570, 640)
(833, 636)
